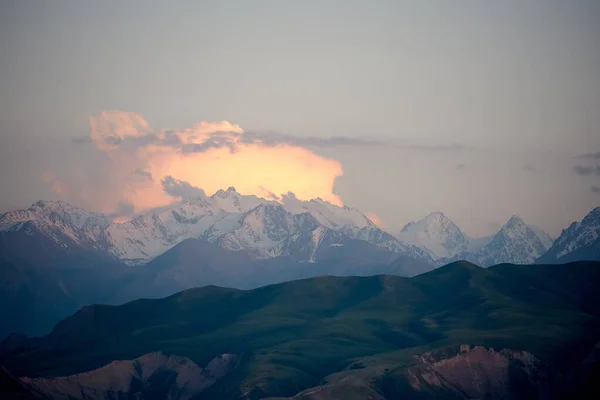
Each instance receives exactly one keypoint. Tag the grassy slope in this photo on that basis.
(294, 334)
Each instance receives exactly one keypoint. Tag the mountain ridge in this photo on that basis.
(223, 217)
(514, 242)
(581, 240)
(435, 239)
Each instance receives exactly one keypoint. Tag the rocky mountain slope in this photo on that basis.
(151, 376)
(465, 372)
(580, 241)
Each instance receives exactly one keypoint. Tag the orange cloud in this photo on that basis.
(208, 155)
(59, 187)
(374, 218)
(252, 169)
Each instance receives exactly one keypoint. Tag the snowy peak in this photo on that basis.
(592, 218)
(434, 221)
(580, 241)
(436, 233)
(433, 225)
(516, 243)
(56, 212)
(64, 224)
(262, 230)
(231, 201)
(515, 227)
(225, 193)
(75, 216)
(13, 219)
(344, 218)
(270, 220)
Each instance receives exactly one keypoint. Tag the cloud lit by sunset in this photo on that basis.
(373, 218)
(208, 156)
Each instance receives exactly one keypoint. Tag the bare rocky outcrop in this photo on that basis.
(481, 373)
(355, 386)
(463, 372)
(158, 375)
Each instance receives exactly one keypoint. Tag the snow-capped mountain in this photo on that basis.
(516, 243)
(345, 219)
(374, 235)
(436, 233)
(580, 241)
(151, 234)
(262, 230)
(84, 220)
(260, 227)
(64, 224)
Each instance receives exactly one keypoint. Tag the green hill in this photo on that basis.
(292, 335)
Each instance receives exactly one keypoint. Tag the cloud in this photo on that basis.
(148, 168)
(595, 156)
(58, 186)
(272, 139)
(309, 141)
(595, 189)
(182, 189)
(374, 218)
(212, 143)
(122, 210)
(460, 166)
(584, 170)
(81, 140)
(142, 173)
(112, 130)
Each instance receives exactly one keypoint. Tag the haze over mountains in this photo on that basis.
(56, 258)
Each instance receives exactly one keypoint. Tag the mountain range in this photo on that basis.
(56, 258)
(264, 229)
(515, 242)
(258, 227)
(458, 332)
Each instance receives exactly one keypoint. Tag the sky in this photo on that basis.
(400, 108)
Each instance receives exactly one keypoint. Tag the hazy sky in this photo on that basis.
(398, 108)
